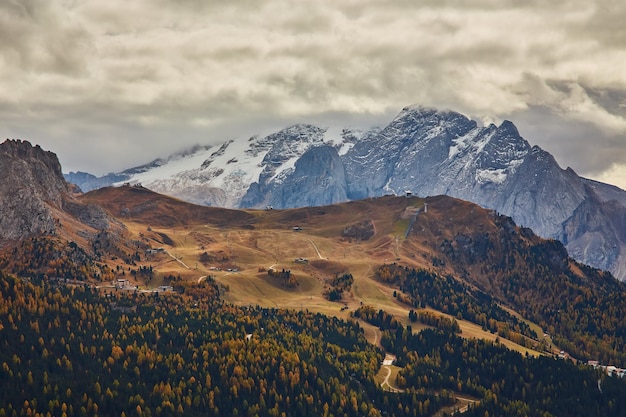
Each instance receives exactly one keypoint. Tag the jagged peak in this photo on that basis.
(22, 148)
(420, 111)
(539, 152)
(300, 128)
(295, 137)
(543, 156)
(509, 127)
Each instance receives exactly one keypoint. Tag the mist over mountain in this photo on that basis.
(424, 151)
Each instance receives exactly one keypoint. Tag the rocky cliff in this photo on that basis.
(33, 193)
(32, 184)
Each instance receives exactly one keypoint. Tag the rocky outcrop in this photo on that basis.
(596, 231)
(32, 184)
(33, 192)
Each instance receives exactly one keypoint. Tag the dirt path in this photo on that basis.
(177, 260)
(315, 247)
(376, 338)
(387, 364)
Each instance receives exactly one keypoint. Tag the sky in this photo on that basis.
(108, 85)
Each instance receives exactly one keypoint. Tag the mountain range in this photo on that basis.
(145, 268)
(476, 259)
(424, 151)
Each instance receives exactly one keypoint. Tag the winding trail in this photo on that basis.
(387, 364)
(386, 382)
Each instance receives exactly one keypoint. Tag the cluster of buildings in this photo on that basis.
(124, 284)
(610, 370)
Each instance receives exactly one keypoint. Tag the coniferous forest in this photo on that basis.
(71, 350)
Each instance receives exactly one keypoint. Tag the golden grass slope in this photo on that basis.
(237, 247)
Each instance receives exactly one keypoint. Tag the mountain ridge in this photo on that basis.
(387, 269)
(422, 150)
(449, 238)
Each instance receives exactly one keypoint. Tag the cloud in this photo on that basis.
(137, 80)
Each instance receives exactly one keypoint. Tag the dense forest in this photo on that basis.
(53, 257)
(587, 320)
(582, 308)
(507, 383)
(421, 288)
(504, 382)
(70, 350)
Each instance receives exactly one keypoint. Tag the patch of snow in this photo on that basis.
(496, 176)
(284, 169)
(345, 147)
(515, 163)
(171, 168)
(231, 167)
(333, 136)
(462, 142)
(483, 141)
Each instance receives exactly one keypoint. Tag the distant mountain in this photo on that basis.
(425, 151)
(87, 182)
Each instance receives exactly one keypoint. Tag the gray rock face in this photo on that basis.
(89, 214)
(32, 189)
(404, 154)
(596, 231)
(318, 179)
(287, 146)
(31, 184)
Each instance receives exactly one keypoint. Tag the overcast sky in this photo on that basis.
(112, 84)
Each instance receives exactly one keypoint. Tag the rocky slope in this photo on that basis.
(32, 185)
(35, 199)
(425, 151)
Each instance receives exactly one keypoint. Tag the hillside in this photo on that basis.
(139, 204)
(313, 246)
(423, 150)
(459, 294)
(69, 350)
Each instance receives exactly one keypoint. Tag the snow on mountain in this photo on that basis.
(424, 150)
(221, 175)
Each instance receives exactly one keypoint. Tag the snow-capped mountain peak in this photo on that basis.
(221, 174)
(422, 149)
